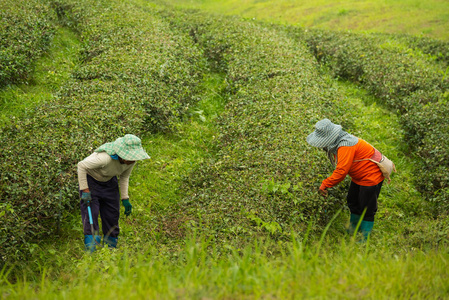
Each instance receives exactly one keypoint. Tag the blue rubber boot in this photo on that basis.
(366, 227)
(353, 221)
(110, 241)
(90, 243)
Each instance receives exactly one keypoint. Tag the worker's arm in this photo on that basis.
(345, 158)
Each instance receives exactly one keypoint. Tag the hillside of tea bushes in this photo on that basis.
(140, 72)
(136, 75)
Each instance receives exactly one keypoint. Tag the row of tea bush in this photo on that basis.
(265, 178)
(409, 75)
(27, 28)
(136, 76)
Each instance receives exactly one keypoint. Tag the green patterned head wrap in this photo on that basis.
(128, 147)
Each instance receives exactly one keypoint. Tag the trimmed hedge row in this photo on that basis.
(265, 177)
(158, 63)
(137, 75)
(410, 83)
(437, 48)
(27, 28)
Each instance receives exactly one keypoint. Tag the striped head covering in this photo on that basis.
(128, 147)
(330, 137)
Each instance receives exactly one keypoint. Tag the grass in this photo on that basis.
(344, 270)
(51, 71)
(429, 18)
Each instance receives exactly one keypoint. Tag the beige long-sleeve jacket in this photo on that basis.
(102, 168)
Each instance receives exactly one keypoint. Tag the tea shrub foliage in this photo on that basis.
(141, 71)
(136, 76)
(27, 28)
(265, 177)
(408, 75)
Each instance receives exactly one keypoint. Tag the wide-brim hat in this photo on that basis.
(130, 148)
(325, 134)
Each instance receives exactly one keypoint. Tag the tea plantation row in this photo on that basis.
(265, 177)
(136, 76)
(406, 80)
(27, 28)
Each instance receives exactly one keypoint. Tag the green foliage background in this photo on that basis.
(412, 17)
(232, 101)
(27, 29)
(117, 89)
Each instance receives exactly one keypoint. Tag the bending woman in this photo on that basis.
(350, 156)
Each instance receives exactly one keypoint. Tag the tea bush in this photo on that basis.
(407, 81)
(27, 28)
(428, 131)
(389, 73)
(438, 49)
(265, 177)
(137, 75)
(159, 64)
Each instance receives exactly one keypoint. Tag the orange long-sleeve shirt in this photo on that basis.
(364, 173)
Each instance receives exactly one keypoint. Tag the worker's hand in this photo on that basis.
(128, 207)
(86, 197)
(323, 193)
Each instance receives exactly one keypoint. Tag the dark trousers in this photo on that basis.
(361, 197)
(106, 203)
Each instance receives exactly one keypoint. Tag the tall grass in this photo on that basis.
(336, 270)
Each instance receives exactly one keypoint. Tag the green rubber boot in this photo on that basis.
(110, 241)
(365, 228)
(353, 221)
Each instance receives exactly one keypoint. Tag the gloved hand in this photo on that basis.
(86, 197)
(128, 207)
